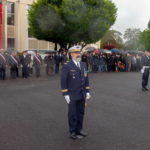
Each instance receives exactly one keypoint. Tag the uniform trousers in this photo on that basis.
(56, 68)
(14, 72)
(145, 77)
(25, 71)
(76, 115)
(37, 71)
(49, 70)
(2, 73)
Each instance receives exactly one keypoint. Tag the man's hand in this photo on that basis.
(67, 98)
(88, 96)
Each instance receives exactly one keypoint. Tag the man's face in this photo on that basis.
(76, 56)
(14, 53)
(25, 53)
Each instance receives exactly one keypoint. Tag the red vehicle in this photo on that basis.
(1, 25)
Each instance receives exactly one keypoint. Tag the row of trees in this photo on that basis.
(69, 22)
(133, 39)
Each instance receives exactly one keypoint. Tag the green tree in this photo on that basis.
(69, 22)
(132, 38)
(145, 39)
(113, 39)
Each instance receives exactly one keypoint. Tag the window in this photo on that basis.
(10, 13)
(11, 43)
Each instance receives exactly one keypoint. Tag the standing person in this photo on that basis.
(37, 62)
(85, 59)
(57, 62)
(89, 60)
(13, 62)
(75, 89)
(108, 60)
(49, 61)
(138, 63)
(128, 62)
(146, 69)
(25, 61)
(133, 63)
(64, 58)
(3, 63)
(95, 62)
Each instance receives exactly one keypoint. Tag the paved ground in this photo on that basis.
(33, 114)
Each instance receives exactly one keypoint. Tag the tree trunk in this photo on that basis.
(55, 48)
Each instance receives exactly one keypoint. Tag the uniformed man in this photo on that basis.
(3, 63)
(37, 62)
(64, 57)
(13, 62)
(75, 89)
(49, 61)
(25, 61)
(58, 59)
(145, 70)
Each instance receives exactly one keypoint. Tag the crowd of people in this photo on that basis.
(96, 62)
(112, 62)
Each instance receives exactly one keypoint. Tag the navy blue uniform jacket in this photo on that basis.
(145, 61)
(74, 81)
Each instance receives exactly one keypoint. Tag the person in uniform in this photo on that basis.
(58, 58)
(25, 61)
(145, 70)
(3, 63)
(49, 61)
(37, 62)
(64, 57)
(75, 89)
(13, 63)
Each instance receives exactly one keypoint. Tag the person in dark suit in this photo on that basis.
(64, 58)
(37, 62)
(13, 62)
(58, 59)
(145, 70)
(95, 62)
(25, 61)
(75, 89)
(3, 63)
(49, 61)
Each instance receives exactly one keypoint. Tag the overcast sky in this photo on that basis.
(132, 14)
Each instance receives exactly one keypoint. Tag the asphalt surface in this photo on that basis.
(33, 114)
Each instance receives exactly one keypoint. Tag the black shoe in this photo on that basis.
(145, 89)
(73, 135)
(81, 133)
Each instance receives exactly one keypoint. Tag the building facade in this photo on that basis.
(14, 27)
